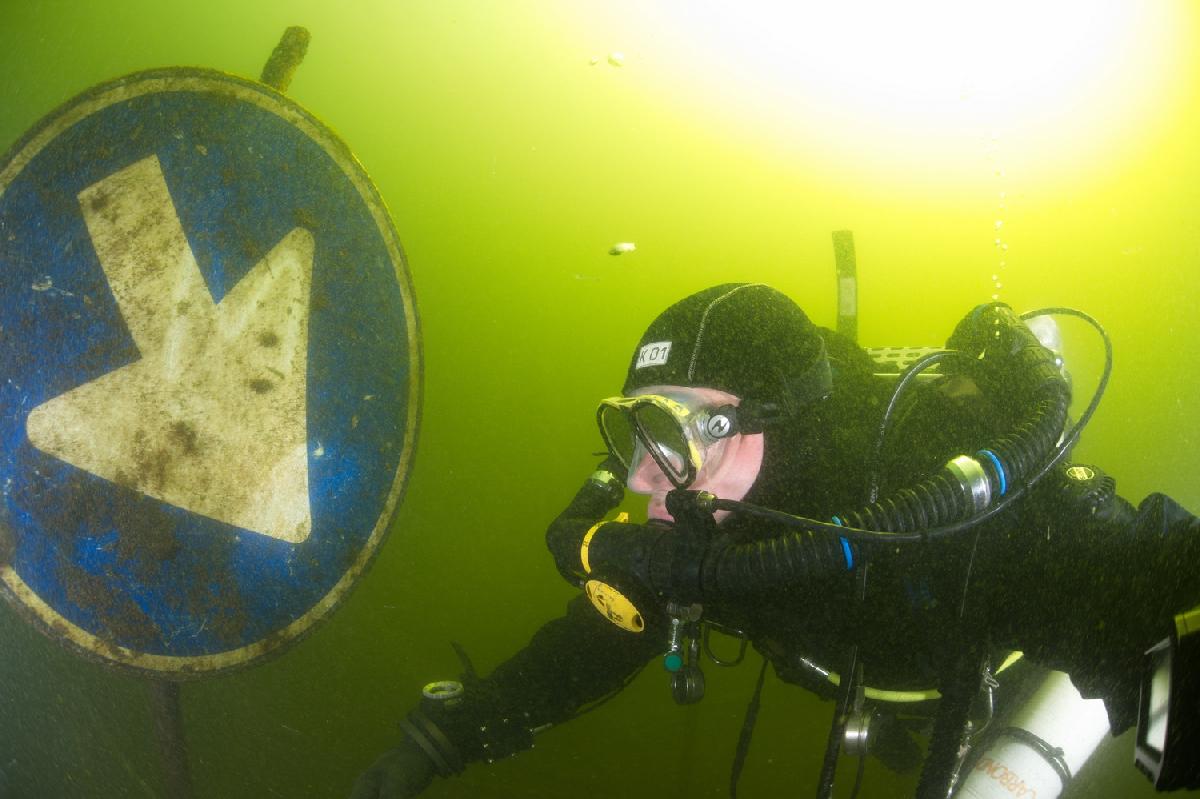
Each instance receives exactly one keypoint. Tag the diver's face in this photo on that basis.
(729, 466)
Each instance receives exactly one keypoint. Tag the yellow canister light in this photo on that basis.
(615, 606)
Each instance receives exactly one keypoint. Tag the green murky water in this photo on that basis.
(514, 149)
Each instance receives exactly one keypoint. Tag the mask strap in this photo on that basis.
(812, 385)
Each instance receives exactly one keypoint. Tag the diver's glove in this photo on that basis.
(399, 773)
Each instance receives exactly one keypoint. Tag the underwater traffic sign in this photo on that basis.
(209, 371)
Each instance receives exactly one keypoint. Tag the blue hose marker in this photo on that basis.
(846, 550)
(999, 469)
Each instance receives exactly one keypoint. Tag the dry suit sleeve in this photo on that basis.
(569, 664)
(601, 493)
(1087, 588)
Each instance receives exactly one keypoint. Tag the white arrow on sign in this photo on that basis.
(212, 418)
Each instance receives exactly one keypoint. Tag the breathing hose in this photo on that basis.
(958, 497)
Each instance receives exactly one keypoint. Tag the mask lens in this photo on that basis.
(664, 434)
(617, 432)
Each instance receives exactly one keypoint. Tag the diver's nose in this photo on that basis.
(648, 477)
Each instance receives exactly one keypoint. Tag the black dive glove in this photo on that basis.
(399, 773)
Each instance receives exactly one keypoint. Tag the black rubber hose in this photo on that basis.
(958, 688)
(906, 380)
(683, 566)
(942, 500)
(935, 508)
(794, 556)
(808, 547)
(936, 502)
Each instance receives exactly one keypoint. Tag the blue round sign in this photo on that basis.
(209, 371)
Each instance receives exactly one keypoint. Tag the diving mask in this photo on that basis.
(682, 430)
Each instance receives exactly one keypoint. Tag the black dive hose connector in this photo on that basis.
(1009, 355)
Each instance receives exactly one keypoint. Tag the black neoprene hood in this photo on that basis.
(744, 338)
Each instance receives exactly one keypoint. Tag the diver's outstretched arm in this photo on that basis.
(570, 665)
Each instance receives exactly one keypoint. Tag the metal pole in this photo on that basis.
(168, 726)
(847, 273)
(277, 72)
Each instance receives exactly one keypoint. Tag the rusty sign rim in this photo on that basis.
(210, 81)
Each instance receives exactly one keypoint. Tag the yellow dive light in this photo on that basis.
(615, 606)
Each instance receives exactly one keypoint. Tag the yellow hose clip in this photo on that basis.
(622, 517)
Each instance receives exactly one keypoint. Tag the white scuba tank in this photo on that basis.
(1020, 765)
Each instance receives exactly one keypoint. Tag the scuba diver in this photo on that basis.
(908, 534)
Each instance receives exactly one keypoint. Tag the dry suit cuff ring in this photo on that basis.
(433, 743)
(605, 478)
